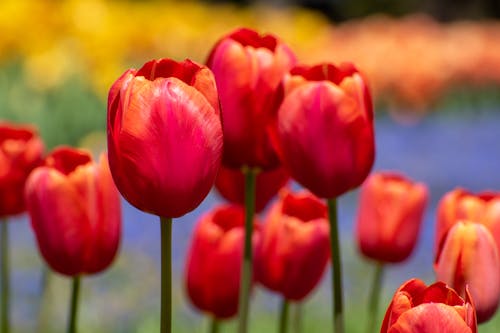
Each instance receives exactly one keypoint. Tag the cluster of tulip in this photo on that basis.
(248, 121)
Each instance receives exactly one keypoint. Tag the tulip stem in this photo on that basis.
(297, 318)
(166, 275)
(375, 297)
(214, 325)
(73, 308)
(246, 270)
(338, 319)
(4, 277)
(283, 328)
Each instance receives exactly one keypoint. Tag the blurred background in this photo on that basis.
(434, 72)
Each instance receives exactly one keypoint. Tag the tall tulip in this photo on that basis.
(248, 68)
(460, 204)
(165, 145)
(214, 260)
(75, 213)
(417, 308)
(325, 138)
(230, 183)
(21, 150)
(469, 257)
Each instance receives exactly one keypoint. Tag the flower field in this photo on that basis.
(412, 103)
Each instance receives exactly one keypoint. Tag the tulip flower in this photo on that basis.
(248, 68)
(76, 216)
(469, 257)
(390, 213)
(230, 183)
(21, 150)
(294, 249)
(416, 308)
(460, 204)
(325, 138)
(214, 260)
(164, 136)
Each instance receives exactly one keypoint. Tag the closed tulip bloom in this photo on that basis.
(469, 257)
(416, 308)
(164, 136)
(230, 183)
(248, 68)
(294, 249)
(325, 134)
(460, 204)
(214, 261)
(21, 150)
(75, 212)
(390, 213)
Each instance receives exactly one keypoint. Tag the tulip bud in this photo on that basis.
(214, 261)
(436, 308)
(75, 212)
(230, 183)
(164, 136)
(460, 204)
(20, 151)
(469, 257)
(294, 249)
(390, 213)
(248, 68)
(324, 132)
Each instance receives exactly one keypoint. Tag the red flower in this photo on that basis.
(214, 261)
(75, 212)
(230, 183)
(294, 249)
(460, 204)
(20, 151)
(390, 213)
(248, 68)
(469, 257)
(324, 129)
(416, 308)
(164, 136)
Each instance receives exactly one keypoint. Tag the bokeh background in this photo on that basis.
(434, 70)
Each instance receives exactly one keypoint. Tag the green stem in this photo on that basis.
(338, 319)
(283, 328)
(297, 317)
(246, 270)
(166, 275)
(4, 277)
(214, 325)
(375, 297)
(73, 309)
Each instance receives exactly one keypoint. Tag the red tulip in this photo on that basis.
(460, 204)
(294, 249)
(20, 151)
(416, 308)
(230, 183)
(75, 212)
(214, 261)
(325, 133)
(248, 68)
(469, 257)
(164, 136)
(390, 213)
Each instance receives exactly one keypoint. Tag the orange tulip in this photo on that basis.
(460, 204)
(416, 308)
(214, 261)
(21, 150)
(469, 257)
(294, 249)
(75, 212)
(390, 213)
